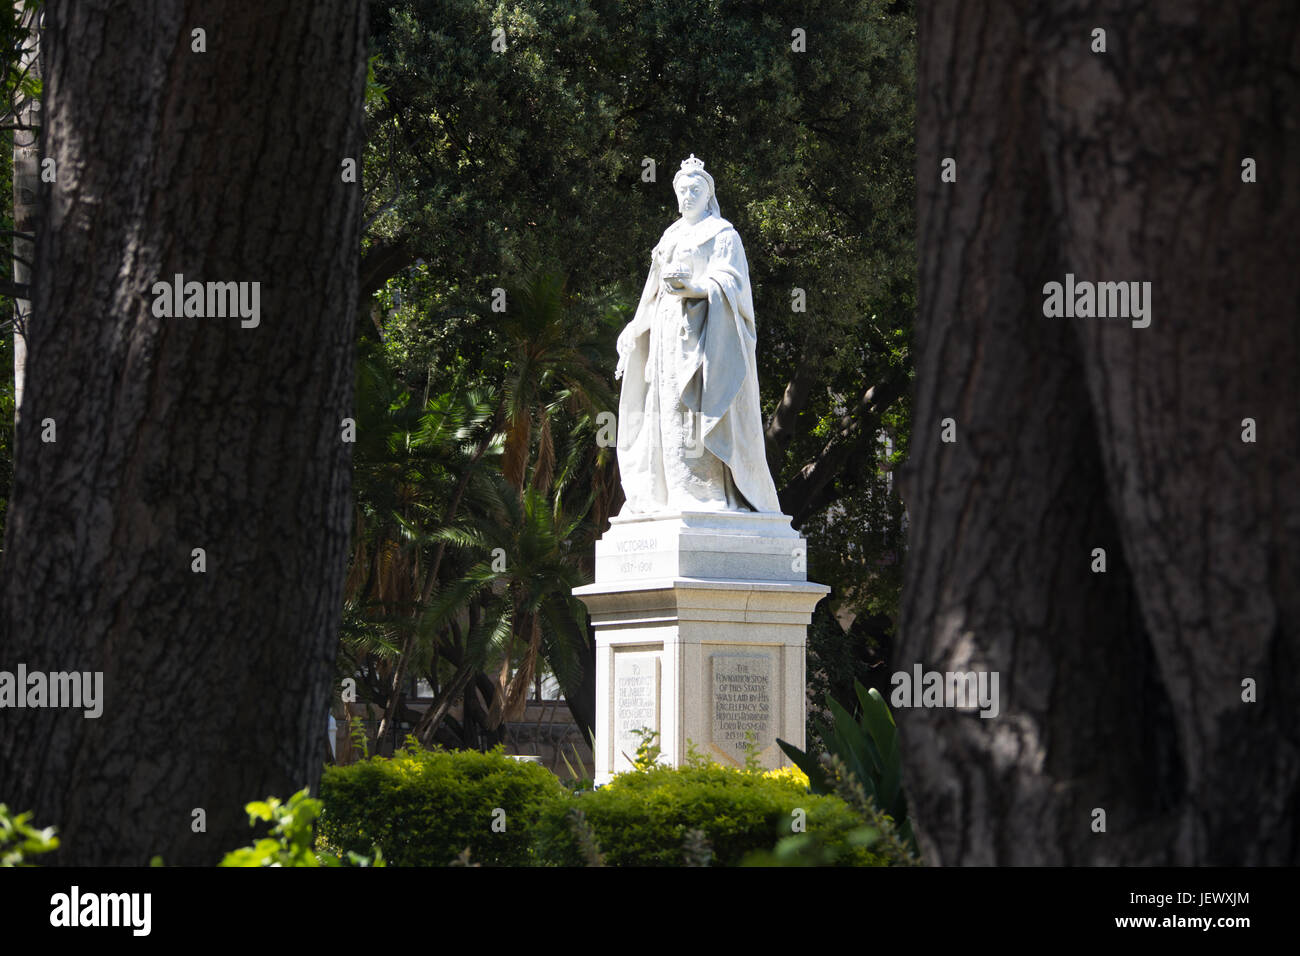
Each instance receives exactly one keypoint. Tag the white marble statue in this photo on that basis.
(690, 432)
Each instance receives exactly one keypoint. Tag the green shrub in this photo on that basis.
(867, 751)
(876, 832)
(19, 840)
(290, 840)
(669, 817)
(427, 807)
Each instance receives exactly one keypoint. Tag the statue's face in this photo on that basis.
(692, 195)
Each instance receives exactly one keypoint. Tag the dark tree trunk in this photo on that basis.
(581, 700)
(1120, 691)
(183, 433)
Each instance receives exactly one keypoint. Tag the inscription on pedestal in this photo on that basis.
(633, 545)
(636, 556)
(636, 702)
(742, 702)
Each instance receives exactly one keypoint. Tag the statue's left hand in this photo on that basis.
(686, 288)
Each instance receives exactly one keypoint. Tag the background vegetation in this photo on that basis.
(480, 484)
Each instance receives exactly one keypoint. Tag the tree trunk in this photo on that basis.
(426, 730)
(1120, 691)
(182, 433)
(581, 700)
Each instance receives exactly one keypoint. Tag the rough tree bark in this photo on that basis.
(1120, 691)
(181, 433)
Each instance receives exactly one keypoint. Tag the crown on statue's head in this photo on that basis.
(692, 165)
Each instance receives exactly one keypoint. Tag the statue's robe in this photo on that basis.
(714, 373)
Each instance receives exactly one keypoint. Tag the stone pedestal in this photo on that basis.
(701, 622)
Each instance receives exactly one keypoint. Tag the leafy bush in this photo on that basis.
(675, 817)
(19, 840)
(291, 837)
(427, 807)
(876, 832)
(867, 751)
(792, 774)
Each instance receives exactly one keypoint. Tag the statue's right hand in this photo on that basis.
(627, 341)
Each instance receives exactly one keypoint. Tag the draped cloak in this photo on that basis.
(718, 374)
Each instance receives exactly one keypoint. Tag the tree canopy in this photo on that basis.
(484, 162)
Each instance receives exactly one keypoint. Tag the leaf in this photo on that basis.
(855, 747)
(258, 810)
(879, 723)
(812, 768)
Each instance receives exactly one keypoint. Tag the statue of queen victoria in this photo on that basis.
(690, 433)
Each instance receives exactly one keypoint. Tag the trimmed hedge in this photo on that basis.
(643, 818)
(425, 807)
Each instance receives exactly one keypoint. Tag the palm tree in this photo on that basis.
(427, 469)
(552, 363)
(521, 586)
(413, 464)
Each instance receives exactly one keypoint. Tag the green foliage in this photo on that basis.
(19, 841)
(522, 172)
(867, 751)
(480, 162)
(478, 505)
(531, 588)
(696, 850)
(877, 832)
(837, 658)
(376, 92)
(17, 84)
(427, 807)
(647, 750)
(6, 416)
(291, 838)
(16, 81)
(674, 817)
(585, 837)
(752, 751)
(896, 845)
(577, 778)
(810, 849)
(357, 733)
(694, 758)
